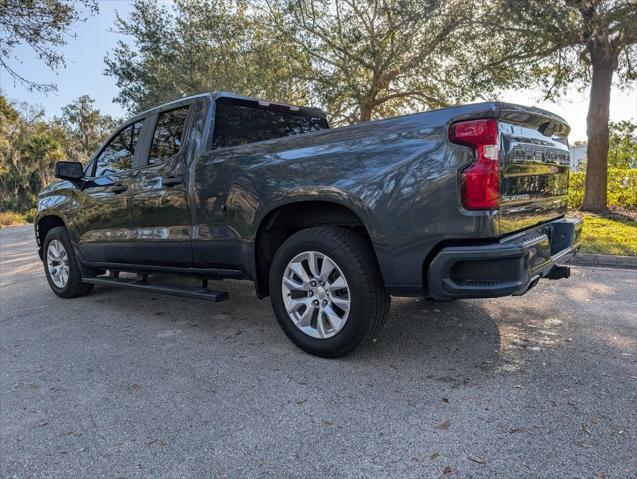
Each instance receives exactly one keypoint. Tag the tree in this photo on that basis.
(376, 58)
(43, 25)
(9, 119)
(622, 144)
(40, 150)
(359, 59)
(19, 176)
(202, 45)
(83, 128)
(30, 145)
(561, 43)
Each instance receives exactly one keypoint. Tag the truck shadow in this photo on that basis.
(449, 342)
(418, 332)
(445, 339)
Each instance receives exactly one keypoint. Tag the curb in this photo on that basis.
(609, 260)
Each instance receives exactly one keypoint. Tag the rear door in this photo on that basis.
(160, 207)
(225, 208)
(104, 218)
(534, 168)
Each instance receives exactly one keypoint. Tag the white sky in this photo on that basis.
(574, 107)
(93, 39)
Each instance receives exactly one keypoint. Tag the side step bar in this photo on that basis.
(183, 291)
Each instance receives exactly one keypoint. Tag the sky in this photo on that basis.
(84, 75)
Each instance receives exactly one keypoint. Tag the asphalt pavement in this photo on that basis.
(126, 384)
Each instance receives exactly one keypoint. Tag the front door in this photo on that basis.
(160, 206)
(105, 221)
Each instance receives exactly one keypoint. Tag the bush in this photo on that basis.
(8, 218)
(622, 188)
(609, 235)
(29, 216)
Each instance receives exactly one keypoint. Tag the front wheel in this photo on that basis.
(327, 291)
(60, 265)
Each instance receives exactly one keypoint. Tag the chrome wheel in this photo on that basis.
(57, 262)
(316, 294)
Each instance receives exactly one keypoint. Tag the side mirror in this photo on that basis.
(69, 170)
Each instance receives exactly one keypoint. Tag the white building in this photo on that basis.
(578, 155)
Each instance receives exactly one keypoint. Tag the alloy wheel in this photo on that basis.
(57, 262)
(316, 294)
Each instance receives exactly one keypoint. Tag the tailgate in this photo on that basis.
(534, 167)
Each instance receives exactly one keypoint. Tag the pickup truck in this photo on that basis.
(462, 202)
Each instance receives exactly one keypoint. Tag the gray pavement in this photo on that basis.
(127, 384)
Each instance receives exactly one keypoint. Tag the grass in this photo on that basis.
(609, 235)
(11, 218)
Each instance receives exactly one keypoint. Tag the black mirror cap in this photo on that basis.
(69, 170)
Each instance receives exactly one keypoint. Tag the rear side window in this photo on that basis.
(119, 153)
(238, 124)
(169, 135)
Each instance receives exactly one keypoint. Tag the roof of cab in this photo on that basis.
(215, 95)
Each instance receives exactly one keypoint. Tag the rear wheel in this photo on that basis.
(60, 265)
(326, 290)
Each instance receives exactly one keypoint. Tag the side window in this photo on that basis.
(168, 136)
(242, 123)
(118, 154)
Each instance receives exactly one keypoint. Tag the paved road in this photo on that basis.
(125, 384)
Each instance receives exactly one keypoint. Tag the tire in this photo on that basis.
(72, 287)
(353, 258)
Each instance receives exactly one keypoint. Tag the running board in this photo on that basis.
(183, 291)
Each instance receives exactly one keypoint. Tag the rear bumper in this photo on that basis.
(509, 267)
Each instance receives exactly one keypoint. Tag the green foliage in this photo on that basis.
(374, 59)
(42, 25)
(609, 235)
(10, 218)
(30, 146)
(622, 144)
(83, 128)
(622, 188)
(555, 43)
(576, 189)
(17, 179)
(203, 45)
(357, 59)
(29, 215)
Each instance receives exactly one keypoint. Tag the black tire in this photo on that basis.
(369, 301)
(74, 286)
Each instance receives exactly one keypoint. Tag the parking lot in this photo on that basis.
(127, 384)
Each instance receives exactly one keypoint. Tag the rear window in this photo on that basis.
(239, 123)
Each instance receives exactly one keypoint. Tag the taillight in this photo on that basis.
(480, 181)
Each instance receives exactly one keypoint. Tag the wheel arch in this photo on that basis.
(45, 224)
(280, 222)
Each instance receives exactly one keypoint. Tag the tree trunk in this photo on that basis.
(366, 112)
(595, 199)
(43, 177)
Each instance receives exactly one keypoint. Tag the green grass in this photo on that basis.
(609, 235)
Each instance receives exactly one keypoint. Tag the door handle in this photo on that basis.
(171, 180)
(118, 188)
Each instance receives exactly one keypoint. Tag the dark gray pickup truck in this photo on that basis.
(464, 202)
